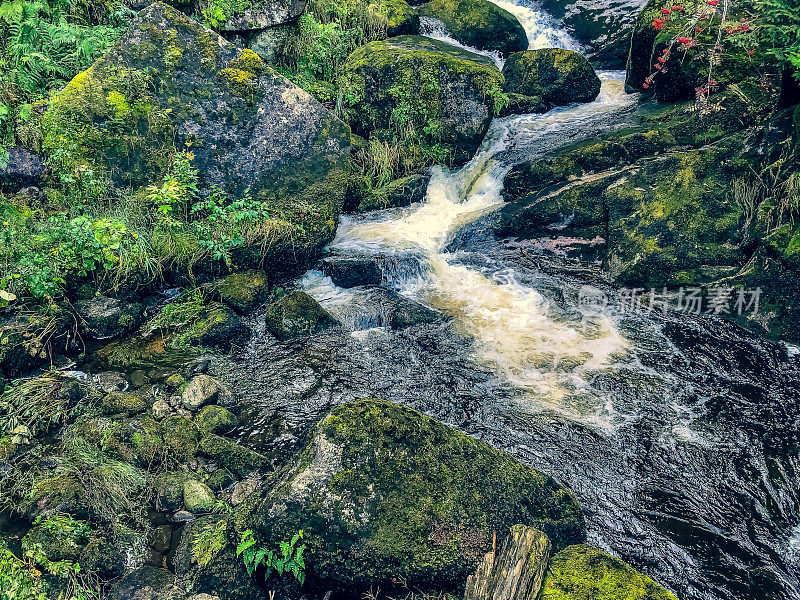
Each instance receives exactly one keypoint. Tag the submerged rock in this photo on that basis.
(584, 573)
(480, 24)
(430, 85)
(348, 271)
(297, 315)
(382, 491)
(170, 83)
(553, 75)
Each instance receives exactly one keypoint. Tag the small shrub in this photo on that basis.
(288, 560)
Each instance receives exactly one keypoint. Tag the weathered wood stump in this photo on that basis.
(517, 572)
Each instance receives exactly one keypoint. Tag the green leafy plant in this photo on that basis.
(19, 579)
(780, 30)
(288, 560)
(208, 541)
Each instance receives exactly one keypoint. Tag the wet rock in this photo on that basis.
(348, 272)
(516, 571)
(262, 14)
(244, 292)
(383, 307)
(234, 457)
(198, 497)
(160, 409)
(202, 390)
(174, 381)
(139, 378)
(520, 104)
(182, 516)
(388, 74)
(217, 327)
(553, 75)
(584, 573)
(160, 538)
(297, 315)
(24, 169)
(400, 192)
(146, 583)
(433, 529)
(104, 318)
(58, 538)
(107, 558)
(479, 24)
(251, 131)
(215, 419)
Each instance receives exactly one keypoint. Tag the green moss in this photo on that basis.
(180, 436)
(585, 573)
(244, 292)
(215, 419)
(123, 402)
(57, 538)
(364, 529)
(555, 75)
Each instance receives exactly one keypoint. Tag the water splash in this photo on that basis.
(435, 29)
(543, 31)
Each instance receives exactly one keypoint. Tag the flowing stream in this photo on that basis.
(678, 433)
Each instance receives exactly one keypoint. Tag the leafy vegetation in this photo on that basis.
(288, 560)
(208, 541)
(780, 30)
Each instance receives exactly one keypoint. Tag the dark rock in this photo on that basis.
(110, 382)
(104, 318)
(348, 272)
(244, 292)
(169, 490)
(160, 538)
(386, 74)
(221, 479)
(433, 529)
(391, 309)
(146, 583)
(400, 192)
(479, 24)
(24, 169)
(553, 75)
(297, 315)
(107, 558)
(202, 390)
(215, 419)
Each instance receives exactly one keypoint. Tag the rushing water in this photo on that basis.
(679, 434)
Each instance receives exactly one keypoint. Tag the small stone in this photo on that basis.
(183, 412)
(198, 497)
(139, 379)
(174, 381)
(160, 538)
(201, 390)
(182, 516)
(110, 381)
(160, 409)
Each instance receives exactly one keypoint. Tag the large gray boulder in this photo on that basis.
(22, 169)
(171, 84)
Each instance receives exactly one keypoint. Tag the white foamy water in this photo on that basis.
(435, 29)
(516, 329)
(542, 30)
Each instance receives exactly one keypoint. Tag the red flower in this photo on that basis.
(677, 8)
(684, 40)
(712, 2)
(665, 11)
(645, 85)
(665, 51)
(657, 66)
(658, 24)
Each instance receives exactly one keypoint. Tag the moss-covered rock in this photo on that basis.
(383, 491)
(234, 457)
(409, 83)
(169, 84)
(202, 390)
(180, 436)
(480, 24)
(554, 75)
(221, 479)
(215, 419)
(123, 402)
(244, 292)
(295, 315)
(687, 66)
(57, 538)
(198, 497)
(169, 489)
(147, 583)
(581, 572)
(103, 318)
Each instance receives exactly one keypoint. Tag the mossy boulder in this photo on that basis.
(221, 479)
(382, 492)
(554, 75)
(215, 419)
(57, 538)
(198, 497)
(123, 402)
(249, 15)
(170, 84)
(244, 292)
(180, 436)
(296, 315)
(169, 489)
(236, 458)
(147, 583)
(410, 83)
(581, 572)
(687, 68)
(202, 390)
(480, 24)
